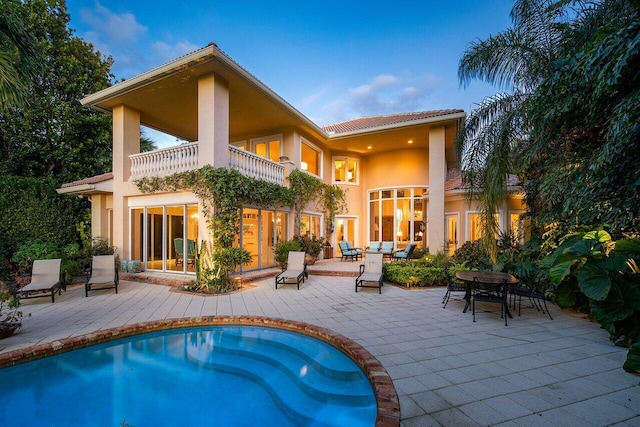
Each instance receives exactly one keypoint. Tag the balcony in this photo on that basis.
(184, 158)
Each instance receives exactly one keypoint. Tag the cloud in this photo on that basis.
(384, 94)
(125, 39)
(117, 29)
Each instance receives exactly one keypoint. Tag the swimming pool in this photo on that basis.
(213, 375)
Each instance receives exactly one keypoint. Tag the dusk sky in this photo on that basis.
(332, 60)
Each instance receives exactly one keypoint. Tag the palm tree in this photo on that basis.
(18, 55)
(515, 61)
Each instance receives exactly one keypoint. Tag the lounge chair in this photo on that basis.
(373, 246)
(296, 270)
(404, 254)
(349, 251)
(371, 272)
(387, 249)
(104, 273)
(191, 251)
(46, 279)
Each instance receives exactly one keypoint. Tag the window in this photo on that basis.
(520, 228)
(310, 225)
(268, 147)
(345, 170)
(310, 158)
(475, 226)
(398, 215)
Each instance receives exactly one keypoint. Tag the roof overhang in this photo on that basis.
(167, 98)
(105, 187)
(397, 135)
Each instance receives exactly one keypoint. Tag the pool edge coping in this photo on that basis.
(388, 406)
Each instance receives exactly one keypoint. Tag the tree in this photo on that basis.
(55, 135)
(516, 61)
(582, 161)
(18, 55)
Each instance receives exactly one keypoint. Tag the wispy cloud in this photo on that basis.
(124, 38)
(384, 94)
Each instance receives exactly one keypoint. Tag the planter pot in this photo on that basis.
(7, 329)
(309, 260)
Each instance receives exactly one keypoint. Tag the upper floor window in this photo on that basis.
(310, 158)
(268, 147)
(345, 170)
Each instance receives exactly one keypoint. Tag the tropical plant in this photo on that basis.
(606, 272)
(18, 55)
(516, 61)
(581, 161)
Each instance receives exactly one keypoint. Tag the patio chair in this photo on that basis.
(453, 285)
(46, 279)
(296, 270)
(492, 293)
(349, 251)
(373, 246)
(537, 299)
(104, 273)
(404, 254)
(178, 244)
(387, 249)
(371, 272)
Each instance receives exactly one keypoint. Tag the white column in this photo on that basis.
(213, 121)
(126, 141)
(437, 178)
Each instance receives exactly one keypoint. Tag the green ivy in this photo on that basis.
(224, 192)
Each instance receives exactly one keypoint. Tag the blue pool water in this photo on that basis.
(208, 376)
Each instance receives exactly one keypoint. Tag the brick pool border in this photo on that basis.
(385, 392)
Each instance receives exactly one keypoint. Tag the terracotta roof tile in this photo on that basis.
(386, 120)
(91, 180)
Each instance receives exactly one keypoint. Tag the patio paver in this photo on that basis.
(447, 370)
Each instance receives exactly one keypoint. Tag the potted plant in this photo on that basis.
(10, 315)
(312, 246)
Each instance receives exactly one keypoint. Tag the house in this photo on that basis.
(400, 169)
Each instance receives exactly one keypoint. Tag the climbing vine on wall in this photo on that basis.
(223, 193)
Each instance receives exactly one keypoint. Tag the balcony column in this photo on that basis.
(437, 177)
(126, 141)
(213, 121)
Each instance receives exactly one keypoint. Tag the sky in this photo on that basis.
(332, 60)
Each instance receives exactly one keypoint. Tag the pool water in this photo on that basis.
(214, 375)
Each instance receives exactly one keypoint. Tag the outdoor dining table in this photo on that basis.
(473, 278)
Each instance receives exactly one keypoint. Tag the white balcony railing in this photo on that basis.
(255, 166)
(166, 161)
(184, 157)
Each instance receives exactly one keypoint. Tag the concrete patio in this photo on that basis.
(447, 370)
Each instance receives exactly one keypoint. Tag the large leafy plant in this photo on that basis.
(607, 273)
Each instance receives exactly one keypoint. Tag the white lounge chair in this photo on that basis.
(371, 271)
(296, 270)
(46, 279)
(104, 273)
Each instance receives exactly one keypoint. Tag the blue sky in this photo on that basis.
(332, 60)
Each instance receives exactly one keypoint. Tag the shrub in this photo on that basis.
(474, 254)
(310, 245)
(282, 249)
(35, 249)
(414, 273)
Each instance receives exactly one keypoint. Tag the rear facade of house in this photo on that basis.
(399, 171)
